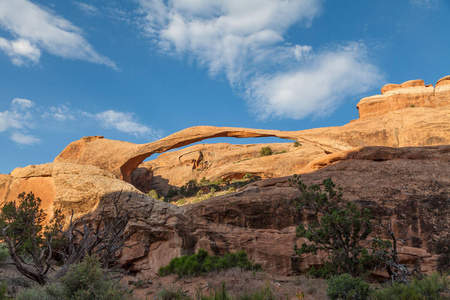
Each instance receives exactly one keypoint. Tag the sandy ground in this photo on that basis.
(237, 282)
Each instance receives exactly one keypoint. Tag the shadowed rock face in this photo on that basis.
(410, 185)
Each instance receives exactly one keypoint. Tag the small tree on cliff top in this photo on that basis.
(339, 229)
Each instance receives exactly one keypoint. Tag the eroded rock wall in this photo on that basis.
(410, 94)
(409, 185)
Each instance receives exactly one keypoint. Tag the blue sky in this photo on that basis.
(140, 70)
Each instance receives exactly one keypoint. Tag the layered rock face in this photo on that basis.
(410, 94)
(221, 161)
(409, 185)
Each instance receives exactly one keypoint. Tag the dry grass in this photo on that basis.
(237, 283)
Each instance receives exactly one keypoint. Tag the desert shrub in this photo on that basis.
(201, 263)
(339, 228)
(431, 287)
(189, 189)
(88, 281)
(140, 284)
(204, 181)
(265, 151)
(171, 294)
(248, 176)
(3, 291)
(297, 144)
(38, 292)
(4, 253)
(222, 294)
(212, 191)
(345, 286)
(232, 189)
(264, 294)
(83, 281)
(154, 195)
(325, 271)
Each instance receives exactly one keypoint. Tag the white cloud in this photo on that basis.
(60, 113)
(18, 117)
(245, 41)
(124, 122)
(89, 9)
(315, 89)
(21, 51)
(24, 116)
(36, 28)
(24, 139)
(425, 3)
(21, 104)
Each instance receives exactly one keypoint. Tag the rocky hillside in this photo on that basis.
(395, 162)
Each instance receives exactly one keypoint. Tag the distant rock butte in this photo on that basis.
(385, 120)
(413, 93)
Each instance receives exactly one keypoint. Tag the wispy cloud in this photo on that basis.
(60, 113)
(245, 41)
(124, 122)
(36, 28)
(25, 116)
(425, 3)
(18, 120)
(24, 139)
(88, 9)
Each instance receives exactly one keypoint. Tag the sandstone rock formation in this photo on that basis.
(411, 93)
(221, 161)
(387, 120)
(411, 185)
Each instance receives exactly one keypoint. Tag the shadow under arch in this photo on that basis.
(192, 135)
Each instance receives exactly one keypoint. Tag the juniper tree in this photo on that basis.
(339, 228)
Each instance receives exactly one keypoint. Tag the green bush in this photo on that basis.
(84, 281)
(4, 291)
(428, 288)
(171, 294)
(4, 252)
(297, 144)
(222, 294)
(201, 263)
(339, 228)
(264, 294)
(346, 287)
(39, 292)
(88, 281)
(154, 195)
(265, 151)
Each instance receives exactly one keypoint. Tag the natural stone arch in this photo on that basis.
(192, 135)
(381, 123)
(122, 158)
